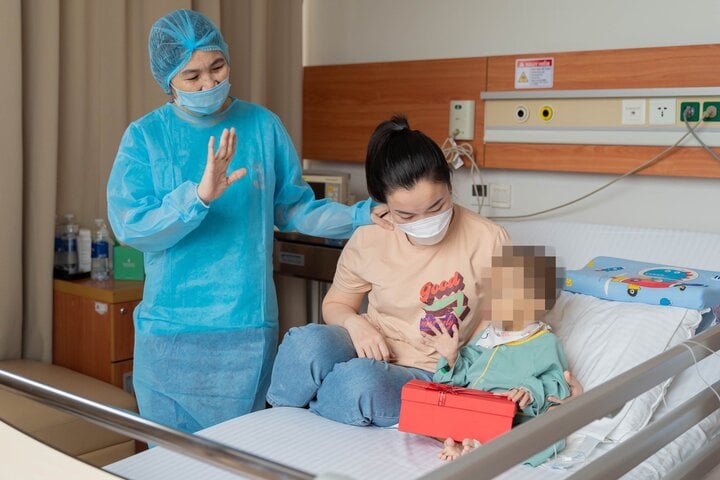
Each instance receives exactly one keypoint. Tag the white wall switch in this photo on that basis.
(500, 195)
(633, 111)
(462, 119)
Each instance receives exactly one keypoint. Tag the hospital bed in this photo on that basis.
(670, 419)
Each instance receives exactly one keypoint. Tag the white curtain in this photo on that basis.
(76, 73)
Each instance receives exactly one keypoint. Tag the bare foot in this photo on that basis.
(468, 445)
(451, 451)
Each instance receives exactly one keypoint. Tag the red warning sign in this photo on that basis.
(534, 72)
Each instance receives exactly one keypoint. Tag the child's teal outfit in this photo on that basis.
(535, 363)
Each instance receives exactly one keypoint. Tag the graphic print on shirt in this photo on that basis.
(444, 302)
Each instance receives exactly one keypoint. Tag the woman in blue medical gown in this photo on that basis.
(198, 185)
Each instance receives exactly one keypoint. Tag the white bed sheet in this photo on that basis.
(298, 438)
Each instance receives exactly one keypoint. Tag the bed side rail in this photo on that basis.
(700, 464)
(643, 444)
(132, 425)
(520, 443)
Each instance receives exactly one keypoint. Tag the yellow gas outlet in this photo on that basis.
(546, 112)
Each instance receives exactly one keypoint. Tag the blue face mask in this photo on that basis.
(204, 102)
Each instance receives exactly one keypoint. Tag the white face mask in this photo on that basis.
(430, 230)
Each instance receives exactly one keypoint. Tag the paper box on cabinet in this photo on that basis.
(445, 411)
(128, 263)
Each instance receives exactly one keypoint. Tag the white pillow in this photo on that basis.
(604, 338)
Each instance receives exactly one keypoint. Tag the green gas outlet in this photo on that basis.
(716, 118)
(694, 115)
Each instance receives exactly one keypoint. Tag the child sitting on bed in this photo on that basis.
(516, 356)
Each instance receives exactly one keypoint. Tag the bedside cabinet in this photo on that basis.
(93, 327)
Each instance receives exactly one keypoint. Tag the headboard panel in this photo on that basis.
(343, 103)
(576, 243)
(663, 67)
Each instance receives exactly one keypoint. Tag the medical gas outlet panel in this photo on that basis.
(603, 117)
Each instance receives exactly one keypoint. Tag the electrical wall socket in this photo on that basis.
(462, 119)
(662, 111)
(633, 111)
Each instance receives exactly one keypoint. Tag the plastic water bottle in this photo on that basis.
(58, 261)
(84, 245)
(66, 256)
(100, 251)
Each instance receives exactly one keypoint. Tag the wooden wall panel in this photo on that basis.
(342, 104)
(662, 67)
(611, 159)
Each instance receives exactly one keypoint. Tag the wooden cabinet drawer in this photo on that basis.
(93, 327)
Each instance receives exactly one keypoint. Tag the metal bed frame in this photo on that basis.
(494, 458)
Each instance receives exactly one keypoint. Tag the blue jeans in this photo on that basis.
(317, 366)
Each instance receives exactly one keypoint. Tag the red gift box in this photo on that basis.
(445, 411)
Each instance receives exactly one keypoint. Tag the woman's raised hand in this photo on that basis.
(368, 342)
(215, 179)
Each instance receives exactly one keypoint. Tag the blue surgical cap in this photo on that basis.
(173, 39)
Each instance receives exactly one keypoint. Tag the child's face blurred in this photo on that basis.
(516, 301)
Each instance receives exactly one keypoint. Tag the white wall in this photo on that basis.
(353, 31)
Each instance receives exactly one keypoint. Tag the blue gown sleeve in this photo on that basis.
(296, 208)
(458, 374)
(138, 216)
(536, 387)
(550, 363)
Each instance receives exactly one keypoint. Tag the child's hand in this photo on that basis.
(522, 397)
(446, 343)
(575, 390)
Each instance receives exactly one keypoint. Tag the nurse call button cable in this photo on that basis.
(454, 153)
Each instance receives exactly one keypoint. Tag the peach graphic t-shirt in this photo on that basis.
(410, 285)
